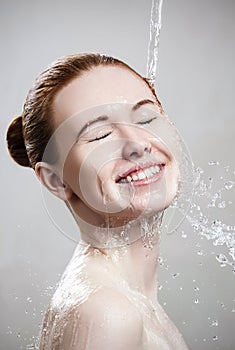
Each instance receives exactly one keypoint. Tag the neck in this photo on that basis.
(132, 251)
(137, 265)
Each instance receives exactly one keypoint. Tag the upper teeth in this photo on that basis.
(142, 174)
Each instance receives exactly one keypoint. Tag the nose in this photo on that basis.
(136, 142)
(135, 149)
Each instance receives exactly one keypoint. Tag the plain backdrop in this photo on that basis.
(195, 83)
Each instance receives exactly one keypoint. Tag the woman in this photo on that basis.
(88, 129)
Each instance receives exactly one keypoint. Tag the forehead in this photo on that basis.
(101, 85)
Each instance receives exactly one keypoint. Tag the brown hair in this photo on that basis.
(28, 134)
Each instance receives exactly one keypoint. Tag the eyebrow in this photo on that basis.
(143, 102)
(105, 117)
(86, 125)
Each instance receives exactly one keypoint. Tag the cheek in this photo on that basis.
(97, 167)
(72, 169)
(98, 190)
(107, 185)
(83, 170)
(174, 170)
(172, 182)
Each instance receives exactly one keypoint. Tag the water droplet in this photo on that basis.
(9, 330)
(214, 323)
(174, 275)
(196, 301)
(30, 347)
(216, 223)
(213, 162)
(96, 252)
(228, 185)
(222, 260)
(222, 205)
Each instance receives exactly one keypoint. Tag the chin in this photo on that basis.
(144, 205)
(157, 199)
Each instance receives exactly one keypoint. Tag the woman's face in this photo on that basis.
(116, 148)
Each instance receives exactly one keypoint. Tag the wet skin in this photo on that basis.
(100, 176)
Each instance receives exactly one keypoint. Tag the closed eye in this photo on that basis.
(143, 122)
(101, 137)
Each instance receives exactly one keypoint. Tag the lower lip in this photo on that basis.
(146, 181)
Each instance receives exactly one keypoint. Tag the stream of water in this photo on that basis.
(155, 29)
(211, 228)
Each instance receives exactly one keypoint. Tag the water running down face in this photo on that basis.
(119, 154)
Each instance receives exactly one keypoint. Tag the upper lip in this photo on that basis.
(138, 167)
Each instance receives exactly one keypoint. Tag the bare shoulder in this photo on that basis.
(106, 320)
(110, 301)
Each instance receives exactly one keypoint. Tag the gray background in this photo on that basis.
(196, 86)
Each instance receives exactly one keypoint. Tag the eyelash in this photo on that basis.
(108, 133)
(101, 137)
(147, 121)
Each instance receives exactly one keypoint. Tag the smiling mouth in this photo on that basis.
(142, 175)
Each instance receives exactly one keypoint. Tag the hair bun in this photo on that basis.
(15, 142)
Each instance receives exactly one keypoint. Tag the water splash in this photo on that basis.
(155, 28)
(206, 224)
(213, 229)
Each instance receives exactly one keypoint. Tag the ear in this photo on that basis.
(50, 178)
